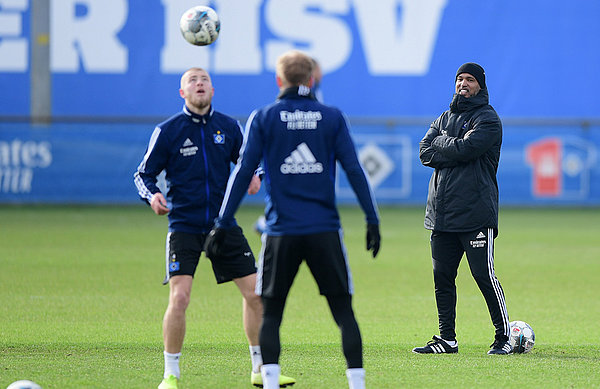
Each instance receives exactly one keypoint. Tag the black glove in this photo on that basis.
(214, 241)
(373, 238)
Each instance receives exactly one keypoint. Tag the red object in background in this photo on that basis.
(546, 158)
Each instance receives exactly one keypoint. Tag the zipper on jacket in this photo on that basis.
(206, 184)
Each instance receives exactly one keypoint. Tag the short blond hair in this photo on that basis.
(295, 68)
(194, 69)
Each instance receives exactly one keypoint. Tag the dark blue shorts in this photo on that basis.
(184, 249)
(324, 254)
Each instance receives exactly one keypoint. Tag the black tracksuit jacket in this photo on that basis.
(463, 146)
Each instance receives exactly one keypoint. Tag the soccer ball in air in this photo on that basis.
(522, 337)
(200, 25)
(24, 384)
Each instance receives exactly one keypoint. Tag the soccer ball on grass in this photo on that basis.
(24, 384)
(200, 25)
(521, 337)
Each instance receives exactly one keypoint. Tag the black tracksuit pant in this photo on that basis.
(447, 249)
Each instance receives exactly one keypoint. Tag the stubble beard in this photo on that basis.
(200, 103)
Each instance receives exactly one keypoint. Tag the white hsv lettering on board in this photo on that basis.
(177, 55)
(398, 36)
(85, 31)
(237, 51)
(13, 47)
(316, 24)
(396, 45)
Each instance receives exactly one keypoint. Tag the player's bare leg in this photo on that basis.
(174, 319)
(180, 288)
(252, 308)
(253, 315)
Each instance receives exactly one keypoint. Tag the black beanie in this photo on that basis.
(475, 70)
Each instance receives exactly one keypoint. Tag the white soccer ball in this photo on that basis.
(200, 25)
(522, 337)
(24, 384)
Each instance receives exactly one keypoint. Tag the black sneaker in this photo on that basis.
(436, 346)
(500, 347)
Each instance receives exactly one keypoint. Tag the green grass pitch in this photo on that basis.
(81, 305)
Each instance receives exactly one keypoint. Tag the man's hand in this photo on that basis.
(254, 186)
(214, 241)
(373, 238)
(159, 204)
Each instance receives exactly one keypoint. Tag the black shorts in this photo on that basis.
(325, 256)
(184, 249)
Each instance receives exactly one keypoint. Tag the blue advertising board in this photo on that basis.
(123, 58)
(94, 163)
(384, 61)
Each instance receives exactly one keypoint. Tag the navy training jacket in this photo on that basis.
(299, 141)
(196, 153)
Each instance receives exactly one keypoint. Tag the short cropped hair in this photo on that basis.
(194, 69)
(295, 67)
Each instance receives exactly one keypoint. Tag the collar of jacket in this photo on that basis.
(461, 103)
(198, 118)
(302, 91)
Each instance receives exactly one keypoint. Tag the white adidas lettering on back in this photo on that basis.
(301, 161)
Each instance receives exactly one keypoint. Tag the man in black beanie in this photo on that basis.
(474, 70)
(463, 146)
